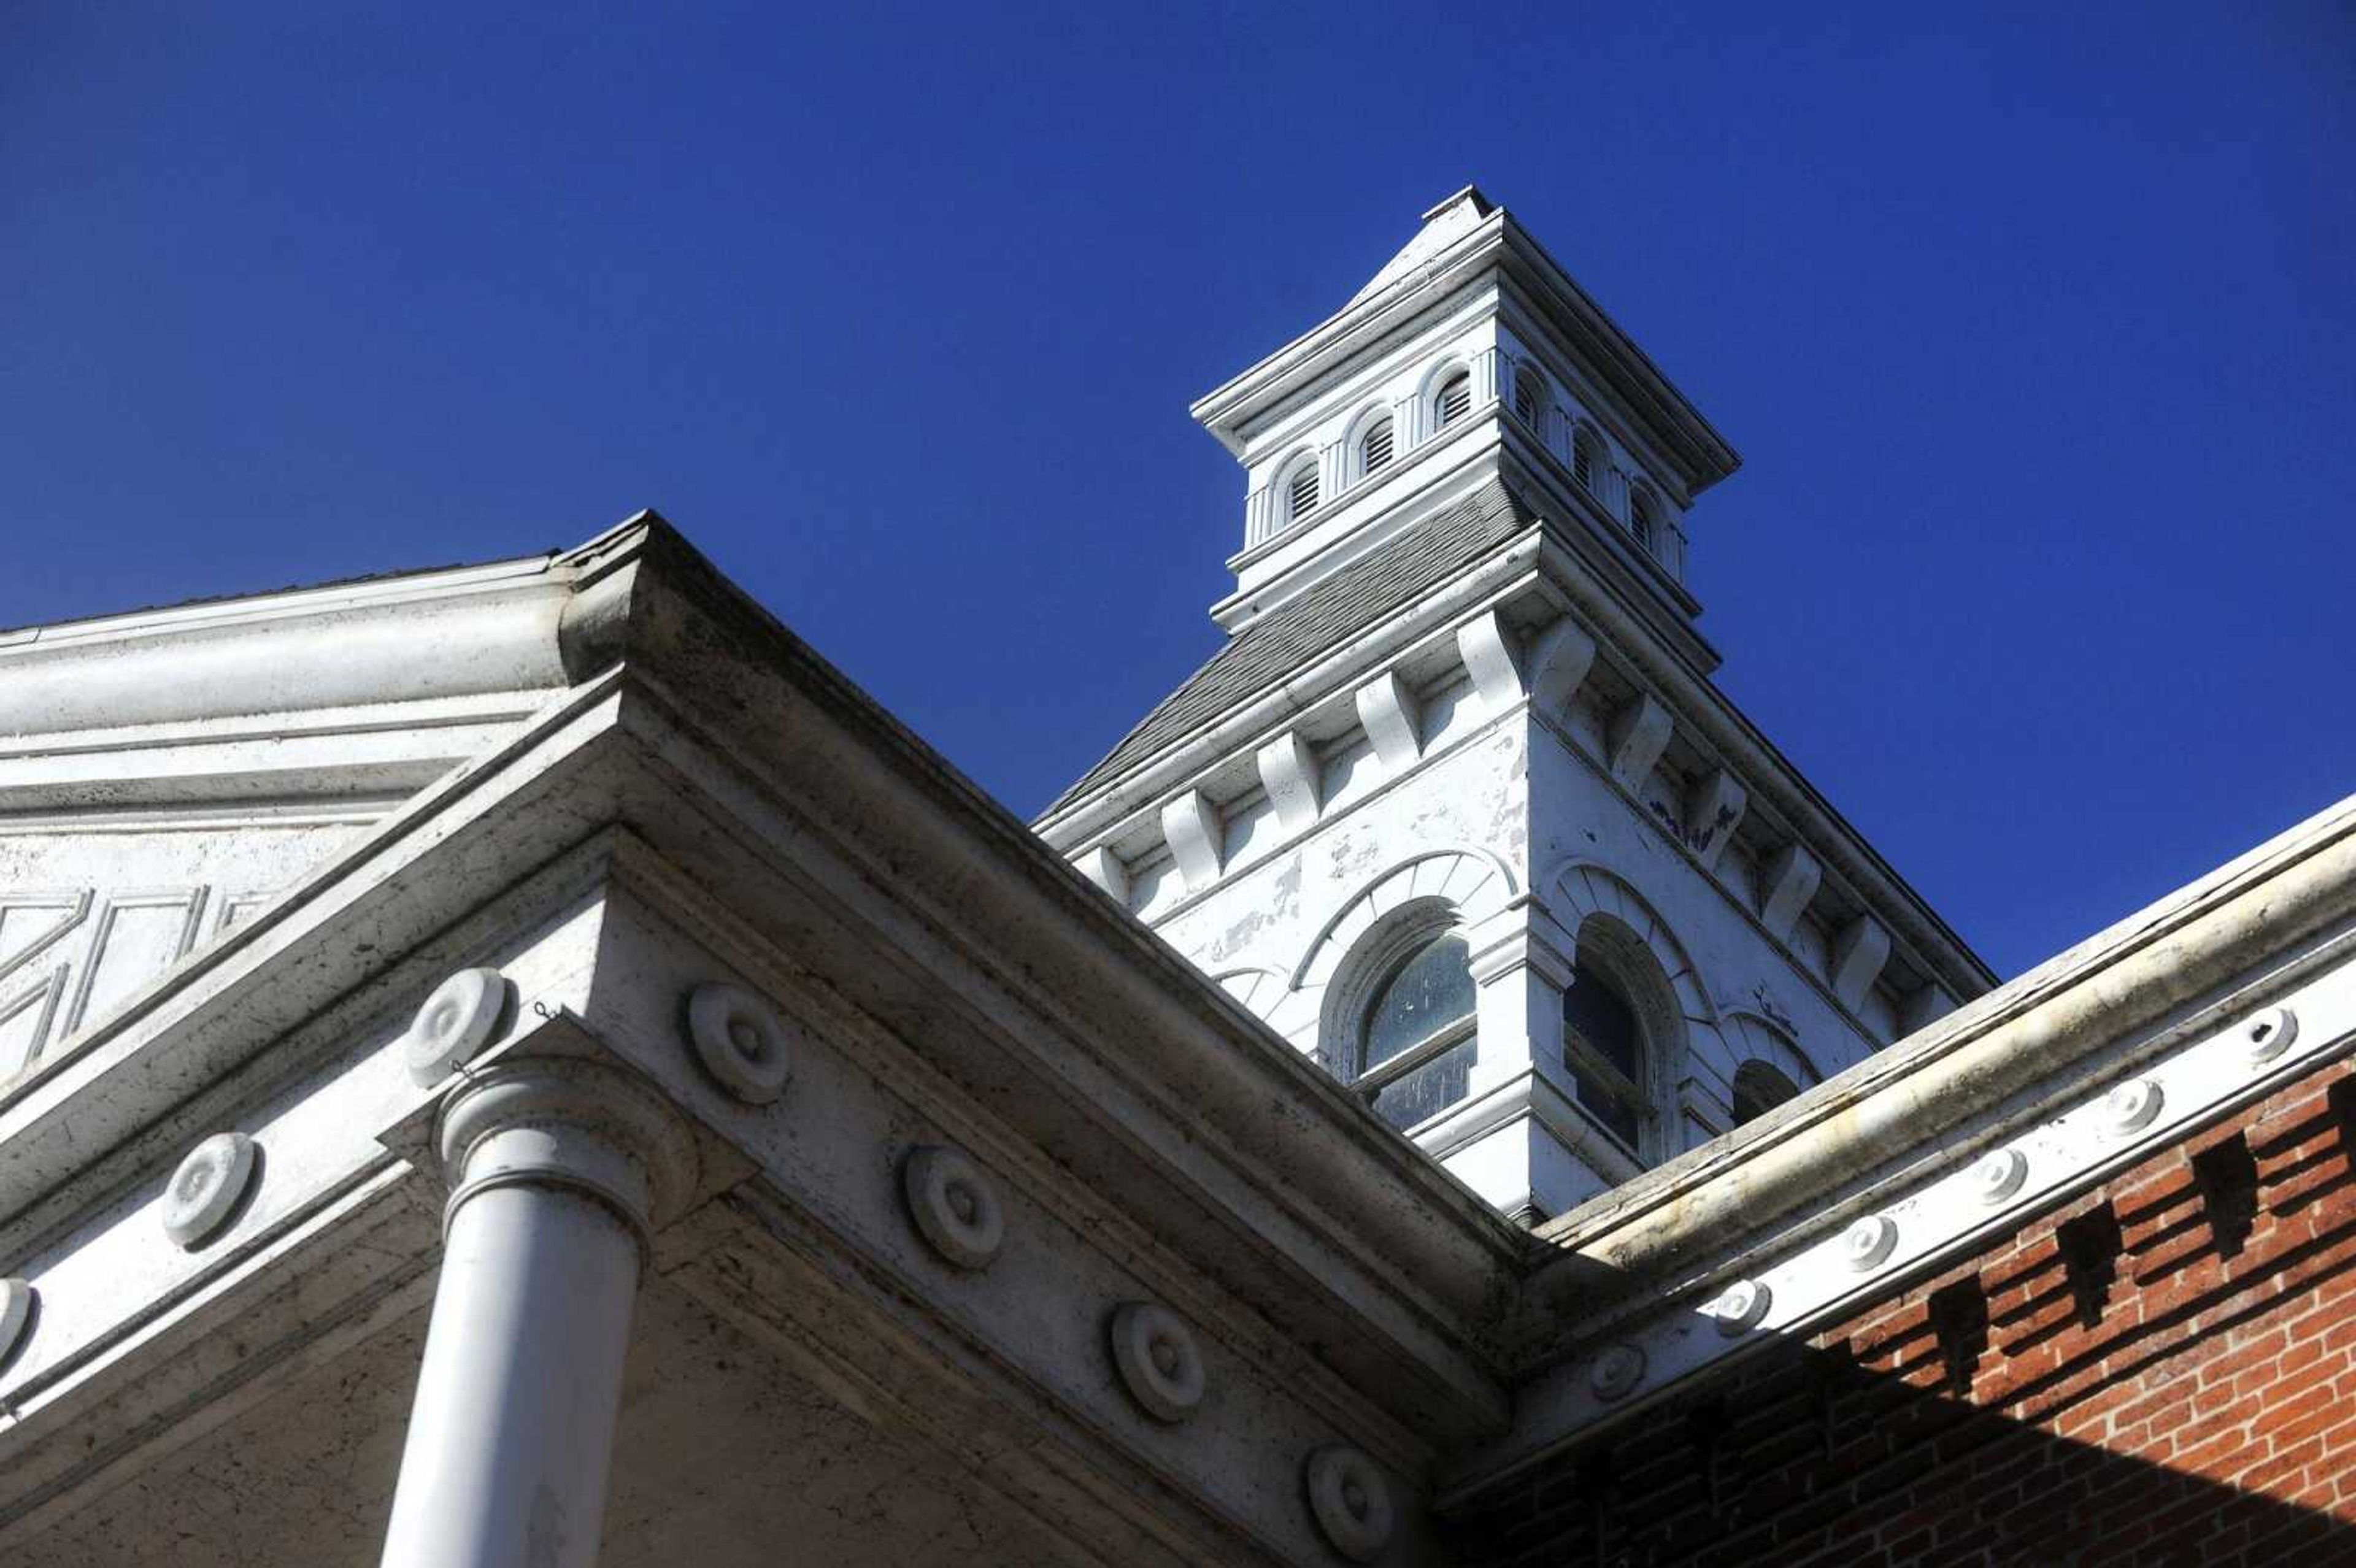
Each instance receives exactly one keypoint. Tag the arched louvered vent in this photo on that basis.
(1583, 461)
(1529, 395)
(1641, 520)
(1375, 448)
(1301, 496)
(1455, 399)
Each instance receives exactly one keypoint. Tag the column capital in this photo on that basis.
(569, 1123)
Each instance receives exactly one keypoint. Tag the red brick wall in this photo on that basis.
(2162, 1371)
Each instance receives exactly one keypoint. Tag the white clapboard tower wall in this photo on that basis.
(1456, 808)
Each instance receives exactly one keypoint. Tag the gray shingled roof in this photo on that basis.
(1279, 642)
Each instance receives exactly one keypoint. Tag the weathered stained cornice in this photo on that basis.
(700, 727)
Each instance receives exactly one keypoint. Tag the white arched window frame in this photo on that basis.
(1373, 443)
(1625, 1082)
(1588, 459)
(1451, 399)
(1769, 1067)
(1531, 396)
(1401, 1026)
(1644, 523)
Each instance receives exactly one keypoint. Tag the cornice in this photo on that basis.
(2098, 1101)
(1628, 369)
(1779, 790)
(1124, 1059)
(1119, 800)
(1623, 368)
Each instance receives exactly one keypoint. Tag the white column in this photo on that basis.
(557, 1169)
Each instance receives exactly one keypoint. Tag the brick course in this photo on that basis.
(2160, 1371)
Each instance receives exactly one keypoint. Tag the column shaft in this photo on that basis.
(513, 1432)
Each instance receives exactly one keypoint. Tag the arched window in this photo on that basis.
(1416, 1046)
(1300, 495)
(1586, 460)
(1643, 517)
(1759, 1089)
(1375, 448)
(1603, 1045)
(1454, 401)
(1529, 396)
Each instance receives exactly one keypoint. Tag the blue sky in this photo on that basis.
(2034, 324)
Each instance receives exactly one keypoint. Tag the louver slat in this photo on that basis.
(1455, 399)
(1305, 492)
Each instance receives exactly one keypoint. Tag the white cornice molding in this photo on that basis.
(338, 760)
(1496, 240)
(1978, 1186)
(403, 640)
(1779, 793)
(293, 604)
(1111, 806)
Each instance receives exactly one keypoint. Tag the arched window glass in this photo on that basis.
(1417, 1046)
(1603, 1046)
(1642, 520)
(1454, 399)
(1759, 1089)
(1301, 495)
(1375, 448)
(1529, 395)
(1585, 461)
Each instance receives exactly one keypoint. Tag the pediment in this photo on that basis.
(88, 917)
(165, 774)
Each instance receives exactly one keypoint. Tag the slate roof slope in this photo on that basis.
(1286, 637)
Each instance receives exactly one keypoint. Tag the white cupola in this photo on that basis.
(1470, 353)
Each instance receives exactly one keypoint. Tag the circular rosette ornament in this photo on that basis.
(1158, 1359)
(1867, 1244)
(2268, 1034)
(1998, 1174)
(954, 1206)
(1741, 1307)
(1351, 1501)
(456, 1022)
(741, 1041)
(206, 1188)
(2131, 1108)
